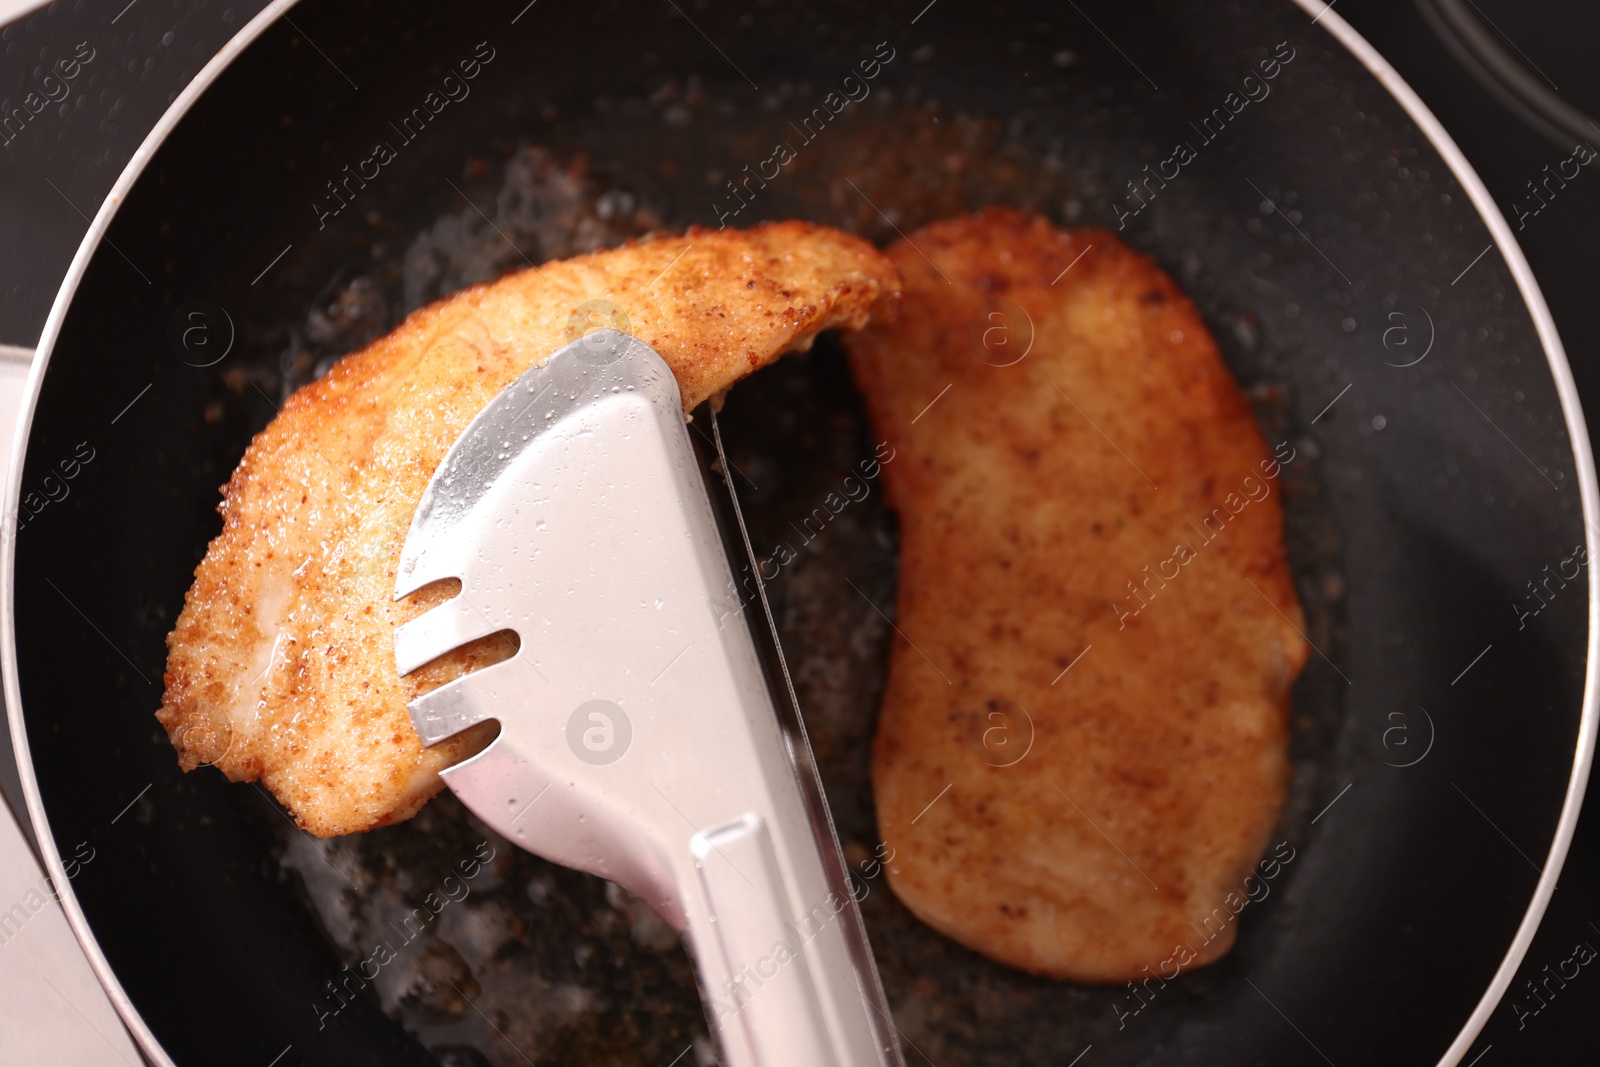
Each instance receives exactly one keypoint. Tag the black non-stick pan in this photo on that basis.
(1363, 288)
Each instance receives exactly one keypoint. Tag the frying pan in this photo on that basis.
(1361, 283)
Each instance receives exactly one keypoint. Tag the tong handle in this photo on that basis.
(759, 985)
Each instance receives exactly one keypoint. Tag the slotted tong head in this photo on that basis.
(640, 736)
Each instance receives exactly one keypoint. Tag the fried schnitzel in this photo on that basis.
(1083, 743)
(281, 666)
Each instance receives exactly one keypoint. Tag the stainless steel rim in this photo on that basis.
(1323, 15)
(1583, 460)
(13, 494)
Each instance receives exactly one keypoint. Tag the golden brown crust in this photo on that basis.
(281, 666)
(1028, 500)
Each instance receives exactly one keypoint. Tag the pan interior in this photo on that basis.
(1436, 497)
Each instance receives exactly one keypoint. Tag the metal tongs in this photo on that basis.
(640, 736)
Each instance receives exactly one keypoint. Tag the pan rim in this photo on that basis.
(1583, 460)
(1322, 15)
(143, 1036)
